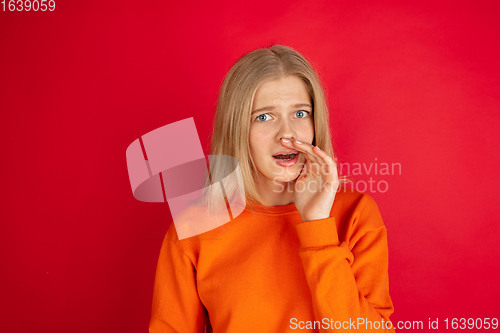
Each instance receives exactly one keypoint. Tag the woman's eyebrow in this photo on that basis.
(301, 105)
(269, 108)
(266, 108)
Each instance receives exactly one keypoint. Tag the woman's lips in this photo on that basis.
(285, 163)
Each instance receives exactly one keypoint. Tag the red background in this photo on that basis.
(410, 83)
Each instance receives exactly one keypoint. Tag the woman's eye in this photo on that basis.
(301, 114)
(262, 117)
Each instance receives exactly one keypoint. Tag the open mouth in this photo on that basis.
(286, 157)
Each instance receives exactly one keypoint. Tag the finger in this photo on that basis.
(303, 172)
(307, 149)
(303, 148)
(323, 160)
(323, 156)
(330, 163)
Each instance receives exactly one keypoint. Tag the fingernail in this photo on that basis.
(285, 140)
(298, 142)
(318, 148)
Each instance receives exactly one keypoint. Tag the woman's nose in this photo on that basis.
(286, 131)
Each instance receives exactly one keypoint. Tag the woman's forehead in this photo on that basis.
(289, 90)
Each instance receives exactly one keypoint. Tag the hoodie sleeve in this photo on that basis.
(348, 279)
(176, 304)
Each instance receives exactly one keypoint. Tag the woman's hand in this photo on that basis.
(317, 184)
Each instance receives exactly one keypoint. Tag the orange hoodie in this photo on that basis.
(267, 271)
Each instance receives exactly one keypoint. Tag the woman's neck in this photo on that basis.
(276, 193)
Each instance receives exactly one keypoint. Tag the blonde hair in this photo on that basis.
(230, 135)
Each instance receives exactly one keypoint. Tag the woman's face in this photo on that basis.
(282, 108)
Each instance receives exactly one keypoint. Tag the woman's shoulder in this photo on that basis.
(349, 196)
(193, 221)
(357, 209)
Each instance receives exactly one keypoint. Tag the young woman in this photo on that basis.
(305, 253)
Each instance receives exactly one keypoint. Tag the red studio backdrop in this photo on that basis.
(411, 84)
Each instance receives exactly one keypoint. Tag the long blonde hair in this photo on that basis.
(230, 135)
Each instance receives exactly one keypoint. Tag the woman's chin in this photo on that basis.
(286, 178)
